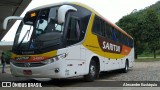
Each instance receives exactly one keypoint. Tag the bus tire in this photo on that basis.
(91, 76)
(125, 69)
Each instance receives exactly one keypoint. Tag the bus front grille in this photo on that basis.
(28, 64)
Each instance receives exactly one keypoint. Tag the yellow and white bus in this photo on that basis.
(66, 40)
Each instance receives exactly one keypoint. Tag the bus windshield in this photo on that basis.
(39, 29)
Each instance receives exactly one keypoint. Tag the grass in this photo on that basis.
(146, 59)
(149, 55)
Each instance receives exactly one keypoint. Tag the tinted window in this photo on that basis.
(102, 28)
(73, 29)
(114, 38)
(121, 38)
(118, 35)
(97, 26)
(108, 31)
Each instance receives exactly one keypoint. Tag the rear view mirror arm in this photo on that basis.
(5, 22)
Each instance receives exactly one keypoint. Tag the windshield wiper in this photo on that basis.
(27, 33)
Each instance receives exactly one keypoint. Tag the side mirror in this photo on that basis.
(62, 12)
(5, 22)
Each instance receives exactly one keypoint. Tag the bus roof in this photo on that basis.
(87, 7)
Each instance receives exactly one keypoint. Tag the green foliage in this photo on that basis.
(147, 60)
(132, 24)
(144, 26)
(151, 25)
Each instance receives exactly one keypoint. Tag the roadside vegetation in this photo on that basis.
(147, 59)
(144, 27)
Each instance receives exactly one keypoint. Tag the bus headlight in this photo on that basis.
(47, 61)
(54, 59)
(61, 56)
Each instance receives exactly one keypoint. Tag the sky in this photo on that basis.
(112, 10)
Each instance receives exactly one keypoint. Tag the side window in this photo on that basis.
(73, 33)
(118, 36)
(121, 38)
(125, 40)
(114, 35)
(108, 31)
(102, 28)
(97, 26)
(131, 42)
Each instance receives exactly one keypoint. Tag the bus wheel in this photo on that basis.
(125, 70)
(91, 76)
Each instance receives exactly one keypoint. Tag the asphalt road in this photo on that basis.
(142, 71)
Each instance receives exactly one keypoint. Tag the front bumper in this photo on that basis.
(45, 71)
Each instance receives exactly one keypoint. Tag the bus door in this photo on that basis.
(74, 62)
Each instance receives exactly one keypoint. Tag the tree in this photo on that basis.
(151, 30)
(133, 24)
(144, 27)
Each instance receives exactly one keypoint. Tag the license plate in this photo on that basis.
(27, 72)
